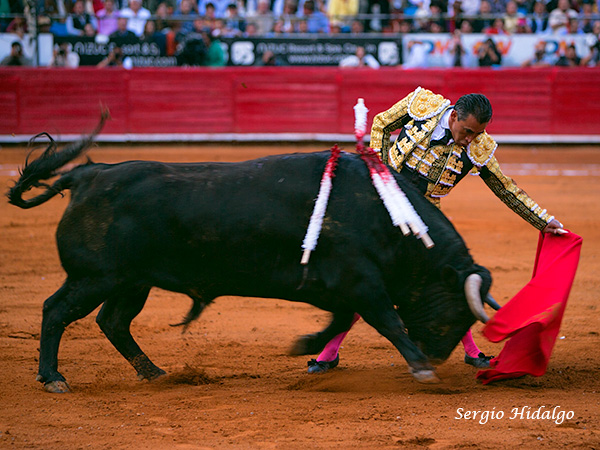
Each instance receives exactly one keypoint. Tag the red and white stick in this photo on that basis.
(401, 211)
(316, 219)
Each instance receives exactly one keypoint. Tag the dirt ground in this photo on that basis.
(230, 382)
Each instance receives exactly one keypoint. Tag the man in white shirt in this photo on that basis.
(360, 59)
(137, 15)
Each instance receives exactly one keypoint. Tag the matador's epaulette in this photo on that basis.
(424, 104)
(481, 149)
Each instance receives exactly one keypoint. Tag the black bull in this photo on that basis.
(213, 229)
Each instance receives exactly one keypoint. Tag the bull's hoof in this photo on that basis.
(305, 345)
(425, 376)
(151, 376)
(57, 387)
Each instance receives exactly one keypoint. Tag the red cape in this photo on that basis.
(531, 319)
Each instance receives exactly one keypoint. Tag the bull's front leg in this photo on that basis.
(388, 324)
(310, 344)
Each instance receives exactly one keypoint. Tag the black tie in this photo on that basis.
(444, 140)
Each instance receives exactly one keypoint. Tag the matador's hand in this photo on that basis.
(555, 227)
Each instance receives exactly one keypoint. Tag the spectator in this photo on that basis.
(593, 43)
(210, 20)
(122, 31)
(360, 59)
(250, 30)
(89, 31)
(523, 27)
(269, 59)
(498, 6)
(44, 24)
(215, 57)
(342, 11)
(316, 21)
(63, 56)
(162, 18)
(234, 23)
(538, 22)
(496, 28)
(153, 5)
(466, 27)
(559, 18)
(512, 16)
(16, 56)
(356, 27)
(301, 26)
(93, 6)
(485, 20)
(263, 18)
(573, 26)
(570, 58)
(417, 55)
(290, 10)
(219, 6)
(467, 7)
(488, 54)
(107, 18)
(137, 15)
(17, 26)
(77, 21)
(152, 36)
(278, 29)
(185, 16)
(586, 16)
(115, 58)
(540, 57)
(193, 49)
(9, 7)
(376, 8)
(456, 56)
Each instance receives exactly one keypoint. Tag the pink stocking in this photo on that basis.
(471, 348)
(331, 349)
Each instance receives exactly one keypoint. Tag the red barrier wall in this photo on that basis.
(549, 101)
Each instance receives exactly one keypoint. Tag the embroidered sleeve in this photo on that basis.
(385, 123)
(514, 197)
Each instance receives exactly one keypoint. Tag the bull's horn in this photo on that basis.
(472, 285)
(490, 301)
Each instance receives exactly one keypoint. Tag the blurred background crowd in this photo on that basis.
(191, 26)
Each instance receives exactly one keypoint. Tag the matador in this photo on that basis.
(437, 146)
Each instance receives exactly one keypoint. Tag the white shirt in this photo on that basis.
(353, 61)
(136, 22)
(444, 124)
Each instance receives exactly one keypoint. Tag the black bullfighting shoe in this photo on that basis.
(481, 362)
(315, 366)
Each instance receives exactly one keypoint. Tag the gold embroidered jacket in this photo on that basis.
(441, 167)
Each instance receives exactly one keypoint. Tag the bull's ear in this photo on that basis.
(451, 277)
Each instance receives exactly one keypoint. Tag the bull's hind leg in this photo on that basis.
(388, 324)
(115, 319)
(73, 301)
(310, 344)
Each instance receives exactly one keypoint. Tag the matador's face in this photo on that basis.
(464, 131)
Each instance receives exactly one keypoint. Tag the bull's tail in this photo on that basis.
(46, 166)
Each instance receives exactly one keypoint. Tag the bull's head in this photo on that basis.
(441, 312)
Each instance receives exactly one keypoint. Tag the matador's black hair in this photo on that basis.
(476, 104)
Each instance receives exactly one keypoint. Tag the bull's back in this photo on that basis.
(212, 222)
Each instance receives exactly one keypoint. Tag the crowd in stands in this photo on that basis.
(177, 24)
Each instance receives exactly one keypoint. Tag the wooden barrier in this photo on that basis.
(200, 103)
